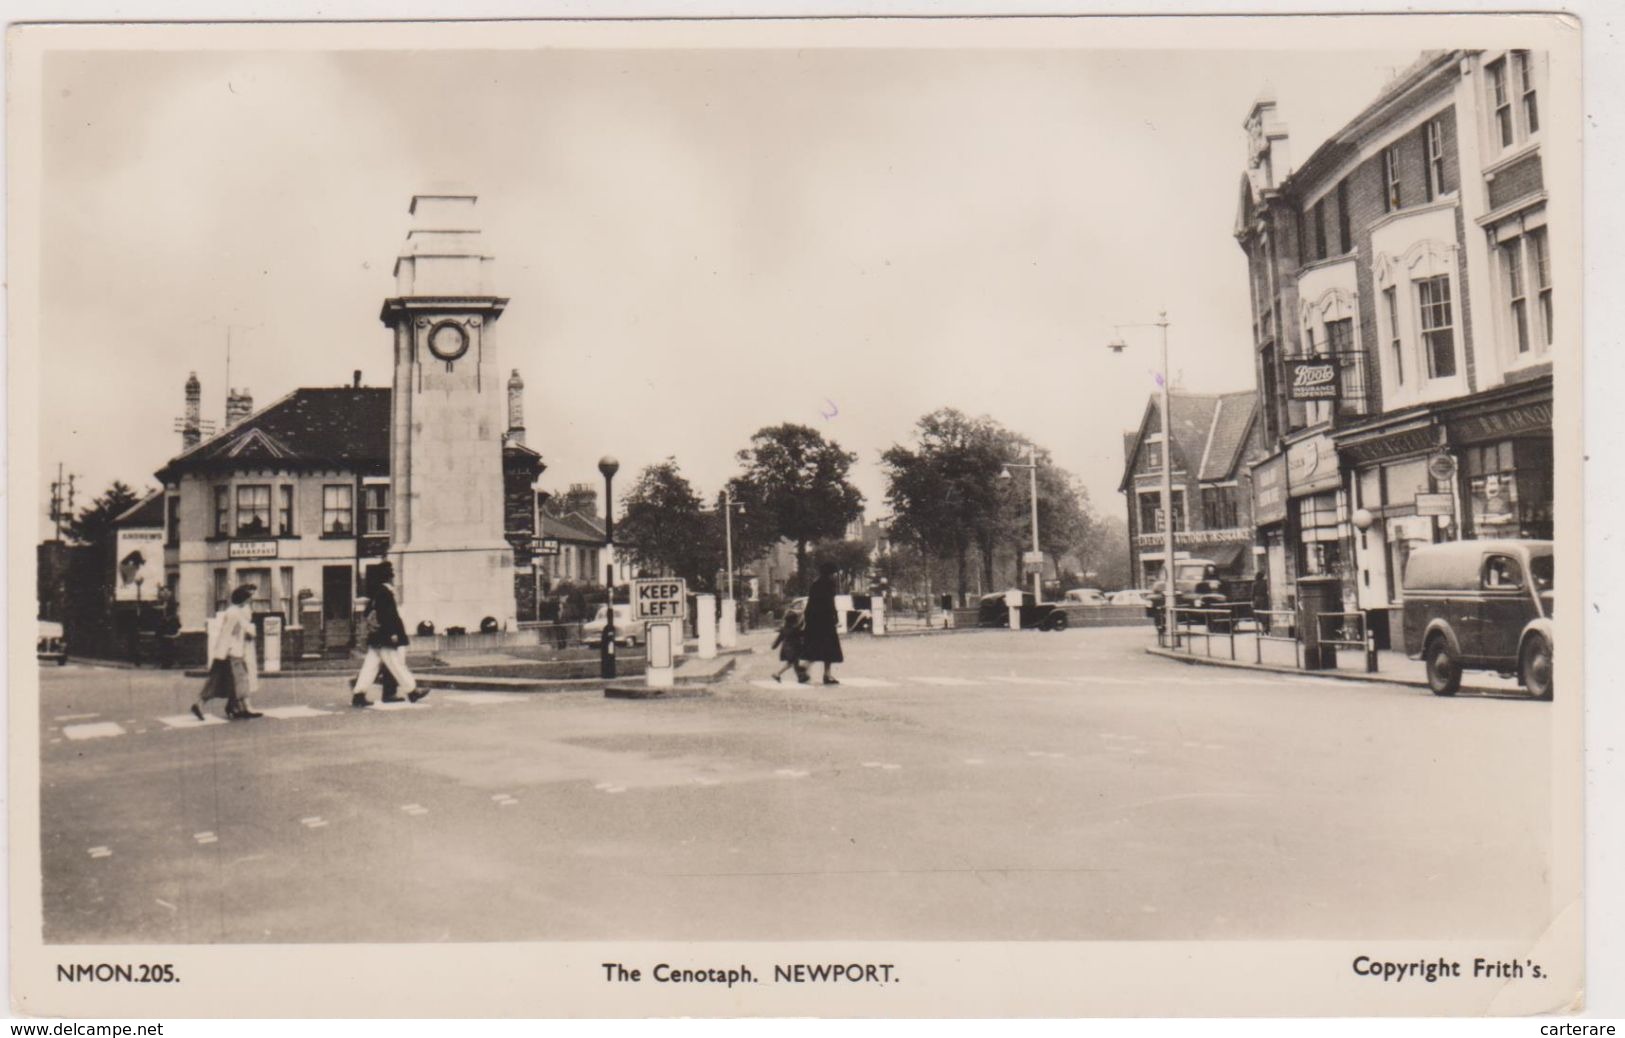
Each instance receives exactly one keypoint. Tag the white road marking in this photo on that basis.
(974, 760)
(55, 741)
(166, 904)
(420, 705)
(1044, 753)
(313, 822)
(1012, 680)
(100, 852)
(791, 773)
(609, 787)
(878, 764)
(482, 698)
(945, 682)
(74, 717)
(867, 682)
(206, 837)
(188, 721)
(707, 781)
(98, 730)
(414, 809)
(288, 713)
(504, 800)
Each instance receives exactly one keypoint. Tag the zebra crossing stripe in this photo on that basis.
(97, 730)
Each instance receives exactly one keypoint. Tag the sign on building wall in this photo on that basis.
(1311, 466)
(1312, 379)
(253, 549)
(138, 566)
(1269, 491)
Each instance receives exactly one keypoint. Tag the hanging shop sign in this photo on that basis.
(1311, 466)
(1312, 379)
(1269, 491)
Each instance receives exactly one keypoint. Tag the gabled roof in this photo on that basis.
(149, 511)
(345, 427)
(1209, 431)
(570, 528)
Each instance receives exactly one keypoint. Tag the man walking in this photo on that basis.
(386, 638)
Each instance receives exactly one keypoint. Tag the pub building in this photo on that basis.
(1401, 295)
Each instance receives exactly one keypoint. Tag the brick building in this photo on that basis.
(1215, 436)
(1401, 296)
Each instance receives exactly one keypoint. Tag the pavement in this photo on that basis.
(994, 786)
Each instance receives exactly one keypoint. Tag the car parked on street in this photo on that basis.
(53, 643)
(1131, 597)
(1084, 596)
(856, 611)
(1481, 605)
(627, 630)
(994, 611)
(1196, 586)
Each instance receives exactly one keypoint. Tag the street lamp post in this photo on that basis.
(1032, 476)
(1170, 592)
(606, 653)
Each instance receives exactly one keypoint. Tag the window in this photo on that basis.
(1345, 239)
(1543, 281)
(261, 579)
(375, 507)
(1395, 347)
(1526, 88)
(1390, 178)
(1321, 550)
(290, 604)
(220, 590)
(172, 519)
(1433, 145)
(338, 509)
(253, 510)
(222, 511)
(1438, 335)
(1151, 510)
(1512, 263)
(1318, 215)
(284, 511)
(1499, 102)
(1218, 508)
(1272, 403)
(1502, 573)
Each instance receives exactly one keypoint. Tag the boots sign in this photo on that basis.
(1312, 379)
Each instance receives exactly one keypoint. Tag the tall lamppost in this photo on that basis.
(1170, 591)
(728, 507)
(1032, 473)
(606, 652)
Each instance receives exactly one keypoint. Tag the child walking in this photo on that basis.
(789, 645)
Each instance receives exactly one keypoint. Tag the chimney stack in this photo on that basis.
(192, 423)
(516, 408)
(355, 382)
(238, 406)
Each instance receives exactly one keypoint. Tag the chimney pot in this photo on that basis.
(357, 379)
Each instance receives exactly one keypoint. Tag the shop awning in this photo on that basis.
(1221, 555)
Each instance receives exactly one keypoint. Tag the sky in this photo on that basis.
(695, 243)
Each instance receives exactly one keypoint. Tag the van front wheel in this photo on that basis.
(1444, 670)
(1535, 667)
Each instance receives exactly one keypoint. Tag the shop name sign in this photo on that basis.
(1269, 491)
(1312, 379)
(660, 598)
(253, 549)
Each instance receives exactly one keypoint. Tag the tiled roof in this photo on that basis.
(344, 427)
(1229, 435)
(149, 511)
(570, 529)
(1208, 430)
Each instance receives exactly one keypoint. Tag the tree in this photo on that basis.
(662, 527)
(88, 612)
(944, 491)
(798, 481)
(94, 523)
(850, 559)
(1064, 520)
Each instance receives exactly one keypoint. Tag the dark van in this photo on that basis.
(1481, 605)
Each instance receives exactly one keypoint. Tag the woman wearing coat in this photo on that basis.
(821, 638)
(386, 637)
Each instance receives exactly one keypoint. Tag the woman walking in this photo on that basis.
(386, 637)
(821, 641)
(228, 661)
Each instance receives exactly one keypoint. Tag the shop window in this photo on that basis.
(222, 511)
(1492, 485)
(1438, 332)
(253, 510)
(284, 511)
(338, 510)
(1321, 551)
(375, 508)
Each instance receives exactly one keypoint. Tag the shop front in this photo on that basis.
(1504, 439)
(1318, 514)
(1269, 515)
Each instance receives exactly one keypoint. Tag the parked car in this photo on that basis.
(53, 644)
(1130, 597)
(1196, 586)
(627, 630)
(856, 611)
(1481, 605)
(994, 611)
(1084, 596)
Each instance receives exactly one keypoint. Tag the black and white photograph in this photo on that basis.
(780, 518)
